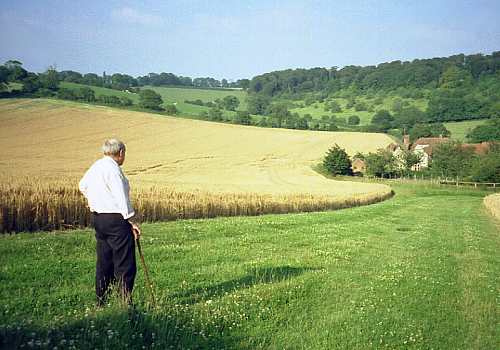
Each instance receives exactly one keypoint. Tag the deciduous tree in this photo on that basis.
(150, 99)
(337, 161)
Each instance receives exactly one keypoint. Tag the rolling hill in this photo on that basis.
(54, 139)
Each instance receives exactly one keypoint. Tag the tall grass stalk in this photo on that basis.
(27, 205)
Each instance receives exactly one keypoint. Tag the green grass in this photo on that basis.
(459, 130)
(179, 95)
(316, 110)
(174, 95)
(419, 271)
(14, 86)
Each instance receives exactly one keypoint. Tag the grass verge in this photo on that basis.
(419, 271)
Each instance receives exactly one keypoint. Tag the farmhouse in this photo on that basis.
(358, 166)
(424, 146)
(398, 153)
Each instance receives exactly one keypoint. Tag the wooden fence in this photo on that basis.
(468, 183)
(439, 181)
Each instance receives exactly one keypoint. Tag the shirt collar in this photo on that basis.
(109, 158)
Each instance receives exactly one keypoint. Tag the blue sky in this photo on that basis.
(239, 39)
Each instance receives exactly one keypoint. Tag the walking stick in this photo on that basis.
(146, 272)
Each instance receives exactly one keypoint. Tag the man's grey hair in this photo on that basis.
(112, 147)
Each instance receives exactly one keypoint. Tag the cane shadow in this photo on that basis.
(253, 277)
(119, 329)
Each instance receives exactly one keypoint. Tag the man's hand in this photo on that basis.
(135, 230)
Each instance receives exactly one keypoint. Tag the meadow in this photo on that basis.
(179, 95)
(175, 166)
(173, 95)
(418, 271)
(459, 130)
(317, 109)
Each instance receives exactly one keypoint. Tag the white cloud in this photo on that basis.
(133, 16)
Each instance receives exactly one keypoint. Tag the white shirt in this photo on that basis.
(106, 188)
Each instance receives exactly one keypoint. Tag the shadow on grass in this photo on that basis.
(118, 328)
(254, 276)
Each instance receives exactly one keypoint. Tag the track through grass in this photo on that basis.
(419, 271)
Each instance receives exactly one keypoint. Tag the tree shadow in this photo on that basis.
(254, 276)
(119, 329)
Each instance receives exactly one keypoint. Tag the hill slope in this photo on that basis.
(48, 139)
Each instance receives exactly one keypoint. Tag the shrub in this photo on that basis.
(353, 120)
(66, 94)
(490, 131)
(150, 99)
(171, 109)
(125, 101)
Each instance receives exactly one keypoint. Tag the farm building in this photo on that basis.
(424, 147)
(398, 153)
(358, 166)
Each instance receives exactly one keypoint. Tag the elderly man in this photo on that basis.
(107, 191)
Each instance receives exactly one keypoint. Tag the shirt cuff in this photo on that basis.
(127, 216)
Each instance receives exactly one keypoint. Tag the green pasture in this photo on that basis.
(418, 271)
(174, 95)
(317, 109)
(179, 95)
(459, 130)
(14, 86)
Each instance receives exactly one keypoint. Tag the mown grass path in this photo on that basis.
(419, 271)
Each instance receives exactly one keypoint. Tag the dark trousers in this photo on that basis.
(115, 256)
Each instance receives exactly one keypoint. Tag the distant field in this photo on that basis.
(14, 86)
(459, 130)
(174, 95)
(189, 154)
(317, 109)
(179, 95)
(178, 168)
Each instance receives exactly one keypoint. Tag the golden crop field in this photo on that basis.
(492, 202)
(52, 143)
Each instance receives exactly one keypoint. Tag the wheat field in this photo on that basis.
(51, 144)
(492, 203)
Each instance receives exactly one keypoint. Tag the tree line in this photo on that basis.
(119, 81)
(459, 87)
(12, 70)
(47, 85)
(449, 160)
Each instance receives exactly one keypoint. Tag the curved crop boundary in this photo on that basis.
(492, 203)
(44, 207)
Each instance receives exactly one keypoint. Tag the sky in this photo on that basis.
(239, 39)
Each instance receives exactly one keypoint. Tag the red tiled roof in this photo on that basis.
(479, 148)
(430, 141)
